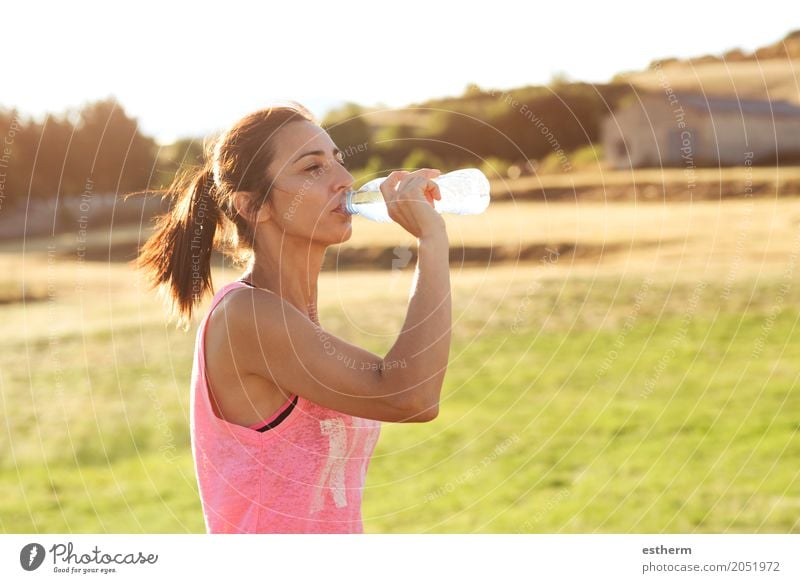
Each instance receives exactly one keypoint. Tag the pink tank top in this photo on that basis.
(304, 475)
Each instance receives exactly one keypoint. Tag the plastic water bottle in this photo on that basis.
(464, 192)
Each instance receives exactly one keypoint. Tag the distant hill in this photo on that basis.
(771, 72)
(786, 48)
(549, 128)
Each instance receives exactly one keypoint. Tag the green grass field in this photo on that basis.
(639, 393)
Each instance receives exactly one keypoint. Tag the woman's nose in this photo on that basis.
(347, 179)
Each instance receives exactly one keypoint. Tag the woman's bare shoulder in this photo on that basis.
(247, 305)
(233, 336)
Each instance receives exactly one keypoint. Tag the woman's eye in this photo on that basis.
(316, 166)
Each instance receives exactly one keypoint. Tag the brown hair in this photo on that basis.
(177, 258)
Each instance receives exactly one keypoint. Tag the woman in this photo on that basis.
(284, 416)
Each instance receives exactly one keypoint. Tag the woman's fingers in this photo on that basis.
(432, 190)
(392, 180)
(403, 191)
(403, 181)
(421, 181)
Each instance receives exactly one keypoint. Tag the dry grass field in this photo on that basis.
(635, 371)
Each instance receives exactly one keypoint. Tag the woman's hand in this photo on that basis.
(409, 199)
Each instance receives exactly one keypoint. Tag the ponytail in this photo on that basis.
(177, 258)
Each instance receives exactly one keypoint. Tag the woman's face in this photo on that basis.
(309, 184)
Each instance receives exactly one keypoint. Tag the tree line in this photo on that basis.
(98, 145)
(516, 126)
(102, 146)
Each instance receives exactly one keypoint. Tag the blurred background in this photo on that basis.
(625, 345)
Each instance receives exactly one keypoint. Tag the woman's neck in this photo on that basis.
(292, 275)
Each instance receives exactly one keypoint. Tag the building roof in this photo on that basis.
(717, 103)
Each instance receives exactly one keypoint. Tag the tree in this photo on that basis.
(110, 150)
(350, 131)
(473, 90)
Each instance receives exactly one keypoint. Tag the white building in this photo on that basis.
(690, 129)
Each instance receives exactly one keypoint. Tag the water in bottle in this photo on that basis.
(464, 192)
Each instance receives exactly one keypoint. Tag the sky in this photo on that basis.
(192, 68)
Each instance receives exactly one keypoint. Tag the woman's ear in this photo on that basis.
(266, 211)
(242, 203)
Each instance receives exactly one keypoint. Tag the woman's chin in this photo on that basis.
(347, 233)
(340, 235)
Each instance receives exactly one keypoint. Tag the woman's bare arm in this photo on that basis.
(417, 362)
(269, 337)
(276, 341)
